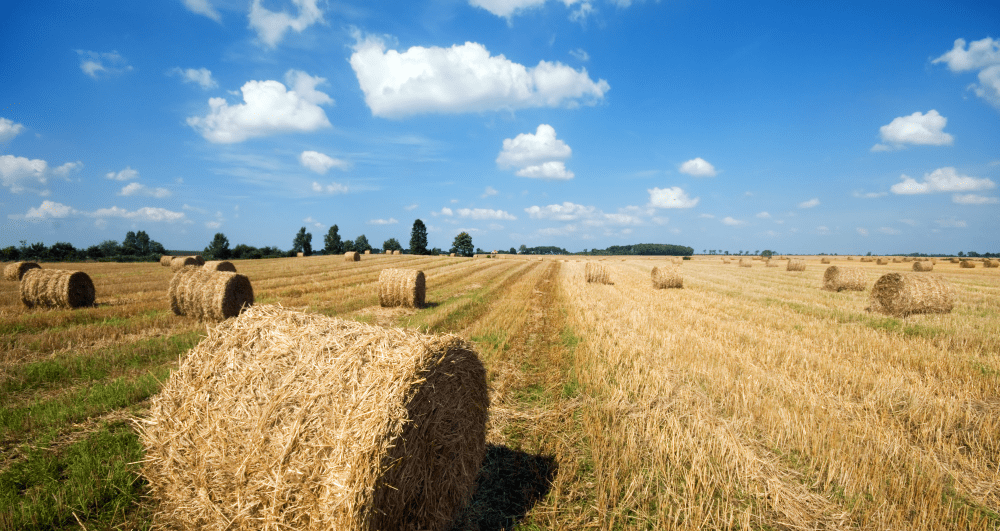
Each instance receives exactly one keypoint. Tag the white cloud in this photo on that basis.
(973, 199)
(698, 167)
(410, 207)
(446, 212)
(463, 78)
(332, 188)
(810, 203)
(889, 230)
(321, 163)
(506, 8)
(539, 155)
(910, 222)
(94, 63)
(565, 212)
(941, 180)
(201, 76)
(951, 223)
(269, 108)
(982, 55)
(580, 54)
(592, 216)
(555, 170)
(125, 175)
(706, 216)
(489, 192)
(9, 129)
(917, 128)
(213, 224)
(314, 223)
(673, 197)
(763, 215)
(139, 189)
(202, 7)
(390, 221)
(868, 195)
(732, 221)
(271, 26)
(50, 209)
(68, 168)
(482, 213)
(17, 172)
(863, 232)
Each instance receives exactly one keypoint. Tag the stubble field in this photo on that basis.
(749, 399)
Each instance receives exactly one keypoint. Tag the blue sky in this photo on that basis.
(802, 127)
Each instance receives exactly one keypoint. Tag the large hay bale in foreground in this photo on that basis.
(352, 256)
(15, 271)
(990, 263)
(56, 288)
(923, 266)
(837, 278)
(967, 264)
(180, 262)
(286, 420)
(597, 273)
(795, 265)
(902, 294)
(401, 287)
(667, 277)
(165, 260)
(746, 263)
(219, 265)
(209, 295)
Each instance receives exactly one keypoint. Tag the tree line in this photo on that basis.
(136, 247)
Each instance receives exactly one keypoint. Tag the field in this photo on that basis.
(749, 399)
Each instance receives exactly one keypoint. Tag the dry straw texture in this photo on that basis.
(902, 294)
(165, 260)
(990, 263)
(771, 263)
(796, 265)
(667, 277)
(55, 288)
(209, 295)
(180, 262)
(882, 261)
(15, 271)
(397, 251)
(746, 263)
(453, 254)
(597, 273)
(824, 260)
(726, 261)
(368, 251)
(300, 255)
(923, 266)
(838, 278)
(955, 260)
(352, 256)
(967, 264)
(219, 265)
(907, 259)
(896, 260)
(201, 261)
(401, 287)
(867, 259)
(287, 420)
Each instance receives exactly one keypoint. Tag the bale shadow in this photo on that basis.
(509, 484)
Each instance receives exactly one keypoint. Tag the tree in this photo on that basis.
(522, 249)
(462, 246)
(130, 245)
(303, 242)
(391, 245)
(331, 242)
(767, 253)
(514, 251)
(218, 249)
(361, 244)
(418, 238)
(348, 246)
(62, 251)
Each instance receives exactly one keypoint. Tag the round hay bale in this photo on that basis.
(795, 265)
(56, 288)
(771, 263)
(352, 256)
(824, 260)
(955, 260)
(667, 277)
(934, 260)
(726, 261)
(388, 251)
(165, 260)
(368, 251)
(896, 260)
(907, 259)
(902, 294)
(844, 278)
(219, 265)
(453, 255)
(16, 271)
(300, 255)
(867, 259)
(287, 420)
(397, 252)
(882, 261)
(967, 264)
(850, 258)
(201, 261)
(923, 266)
(180, 262)
(401, 287)
(746, 263)
(991, 263)
(209, 295)
(597, 273)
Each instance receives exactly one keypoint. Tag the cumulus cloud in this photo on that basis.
(68, 168)
(202, 7)
(138, 189)
(478, 213)
(539, 155)
(698, 167)
(268, 108)
(567, 211)
(18, 173)
(763, 215)
(951, 223)
(941, 180)
(9, 129)
(673, 197)
(810, 203)
(95, 64)
(52, 209)
(868, 195)
(506, 8)
(271, 26)
(593, 216)
(732, 222)
(321, 163)
(862, 231)
(982, 55)
(332, 188)
(463, 78)
(201, 76)
(973, 199)
(490, 191)
(553, 170)
(390, 221)
(917, 129)
(125, 175)
(410, 207)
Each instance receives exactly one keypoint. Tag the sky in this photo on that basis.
(799, 127)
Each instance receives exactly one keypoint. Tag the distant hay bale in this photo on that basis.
(300, 255)
(388, 251)
(907, 259)
(746, 263)
(896, 260)
(56, 288)
(923, 266)
(867, 259)
(795, 265)
(219, 265)
(352, 256)
(16, 271)
(991, 263)
(368, 251)
(837, 278)
(401, 287)
(726, 261)
(771, 263)
(967, 264)
(165, 260)
(955, 260)
(209, 295)
(287, 420)
(882, 261)
(824, 260)
(453, 255)
(902, 294)
(397, 252)
(850, 258)
(667, 277)
(180, 262)
(597, 273)
(677, 260)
